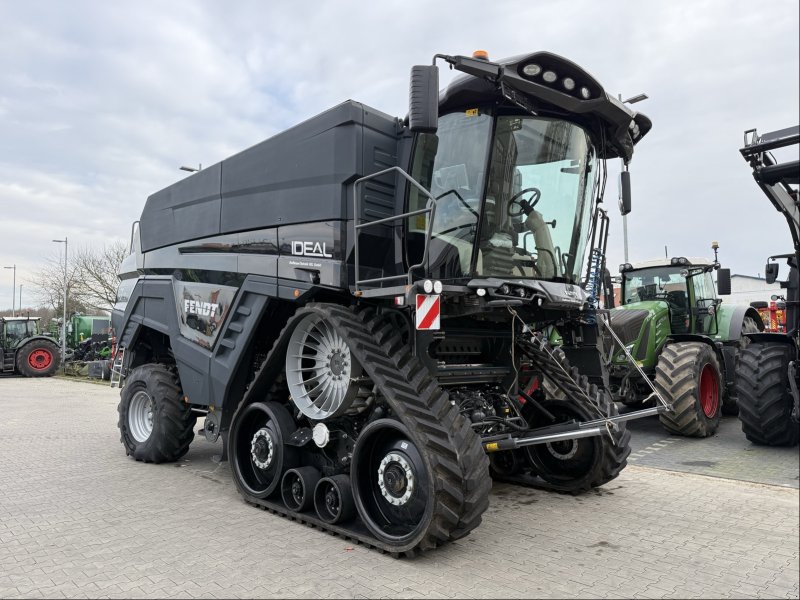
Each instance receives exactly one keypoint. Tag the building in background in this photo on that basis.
(746, 289)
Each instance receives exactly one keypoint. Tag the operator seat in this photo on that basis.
(678, 310)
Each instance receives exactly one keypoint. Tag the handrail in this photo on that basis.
(133, 228)
(430, 209)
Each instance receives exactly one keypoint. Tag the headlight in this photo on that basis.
(585, 93)
(531, 70)
(427, 285)
(569, 83)
(437, 287)
(549, 76)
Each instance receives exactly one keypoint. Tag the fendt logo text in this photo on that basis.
(316, 249)
(203, 309)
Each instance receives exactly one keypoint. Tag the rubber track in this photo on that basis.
(765, 404)
(576, 387)
(454, 452)
(677, 378)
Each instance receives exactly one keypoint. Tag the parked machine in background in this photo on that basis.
(361, 306)
(25, 350)
(683, 337)
(768, 376)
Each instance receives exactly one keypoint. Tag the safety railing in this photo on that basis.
(429, 210)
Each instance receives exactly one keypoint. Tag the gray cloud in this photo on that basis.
(100, 104)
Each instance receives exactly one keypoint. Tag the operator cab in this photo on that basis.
(685, 284)
(516, 164)
(514, 196)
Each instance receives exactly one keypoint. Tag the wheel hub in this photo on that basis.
(563, 450)
(140, 416)
(262, 448)
(338, 363)
(395, 479)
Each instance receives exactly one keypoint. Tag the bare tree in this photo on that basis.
(91, 277)
(97, 271)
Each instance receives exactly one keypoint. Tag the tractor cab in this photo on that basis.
(684, 284)
(13, 330)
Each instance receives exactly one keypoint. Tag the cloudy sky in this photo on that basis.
(101, 102)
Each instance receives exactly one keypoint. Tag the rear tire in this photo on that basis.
(155, 424)
(688, 376)
(765, 399)
(38, 358)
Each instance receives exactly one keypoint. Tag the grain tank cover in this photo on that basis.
(297, 176)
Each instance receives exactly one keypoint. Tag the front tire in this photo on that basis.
(155, 424)
(688, 375)
(765, 399)
(38, 358)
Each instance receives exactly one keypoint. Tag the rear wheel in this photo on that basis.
(155, 424)
(765, 399)
(688, 376)
(38, 358)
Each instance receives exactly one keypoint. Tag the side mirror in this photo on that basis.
(624, 193)
(724, 282)
(771, 272)
(423, 102)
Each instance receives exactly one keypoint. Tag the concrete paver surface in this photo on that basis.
(80, 519)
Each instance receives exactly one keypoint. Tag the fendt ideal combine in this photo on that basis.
(360, 305)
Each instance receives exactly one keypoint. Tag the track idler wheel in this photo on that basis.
(391, 483)
(333, 499)
(297, 488)
(259, 457)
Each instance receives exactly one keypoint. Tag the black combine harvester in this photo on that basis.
(361, 306)
(768, 377)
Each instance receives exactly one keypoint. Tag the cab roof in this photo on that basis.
(694, 261)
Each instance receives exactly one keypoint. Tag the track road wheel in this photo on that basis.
(730, 405)
(259, 458)
(688, 376)
(765, 399)
(38, 358)
(578, 465)
(333, 499)
(155, 424)
(391, 483)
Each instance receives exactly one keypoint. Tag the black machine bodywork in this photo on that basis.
(769, 378)
(363, 296)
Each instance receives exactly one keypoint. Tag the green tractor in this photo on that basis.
(26, 351)
(677, 337)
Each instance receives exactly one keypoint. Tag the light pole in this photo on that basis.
(13, 290)
(64, 319)
(20, 298)
(631, 100)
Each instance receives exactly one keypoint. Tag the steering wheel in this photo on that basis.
(525, 207)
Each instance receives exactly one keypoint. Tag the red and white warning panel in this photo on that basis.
(428, 311)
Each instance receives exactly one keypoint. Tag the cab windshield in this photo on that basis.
(514, 197)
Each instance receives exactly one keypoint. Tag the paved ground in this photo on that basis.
(725, 454)
(78, 518)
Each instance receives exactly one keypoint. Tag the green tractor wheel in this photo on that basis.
(689, 377)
